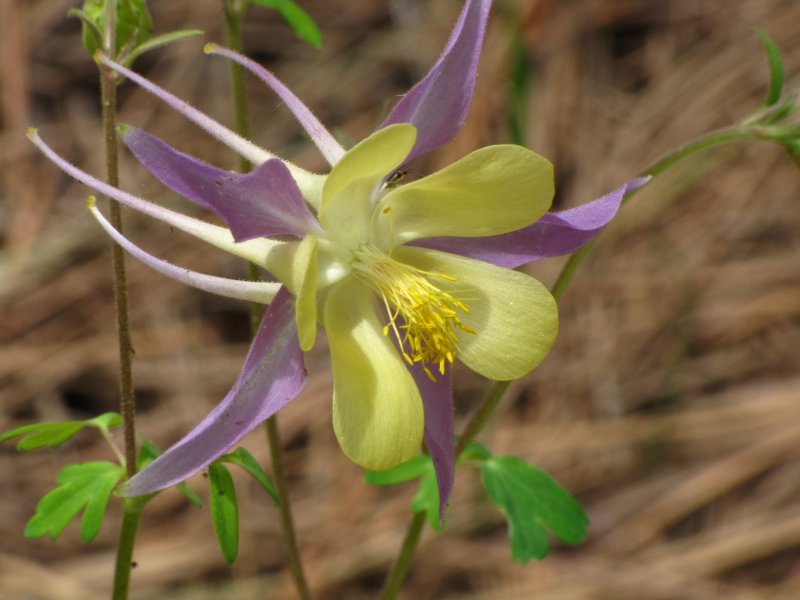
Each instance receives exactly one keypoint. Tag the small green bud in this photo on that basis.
(133, 24)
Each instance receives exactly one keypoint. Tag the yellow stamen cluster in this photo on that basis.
(423, 317)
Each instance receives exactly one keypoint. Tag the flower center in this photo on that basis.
(423, 317)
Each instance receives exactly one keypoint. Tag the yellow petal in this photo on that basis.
(348, 195)
(377, 409)
(514, 317)
(306, 302)
(491, 191)
(295, 265)
(310, 184)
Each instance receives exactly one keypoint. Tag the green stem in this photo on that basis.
(733, 133)
(480, 418)
(394, 581)
(285, 511)
(726, 135)
(234, 13)
(404, 559)
(401, 566)
(132, 510)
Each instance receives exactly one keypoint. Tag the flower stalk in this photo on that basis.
(733, 133)
(396, 577)
(287, 523)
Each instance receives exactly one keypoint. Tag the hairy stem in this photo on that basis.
(394, 580)
(234, 13)
(132, 510)
(121, 304)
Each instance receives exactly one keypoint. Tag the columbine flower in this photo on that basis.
(405, 279)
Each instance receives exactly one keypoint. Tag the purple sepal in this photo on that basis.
(437, 401)
(272, 376)
(265, 202)
(555, 234)
(437, 105)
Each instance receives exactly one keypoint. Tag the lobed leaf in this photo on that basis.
(86, 487)
(532, 502)
(224, 510)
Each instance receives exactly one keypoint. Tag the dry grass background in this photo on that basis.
(670, 404)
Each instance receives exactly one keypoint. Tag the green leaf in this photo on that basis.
(43, 435)
(427, 497)
(159, 41)
(246, 461)
(52, 434)
(780, 113)
(91, 35)
(775, 68)
(106, 421)
(148, 452)
(190, 494)
(224, 510)
(531, 501)
(475, 451)
(301, 23)
(411, 469)
(86, 487)
(519, 82)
